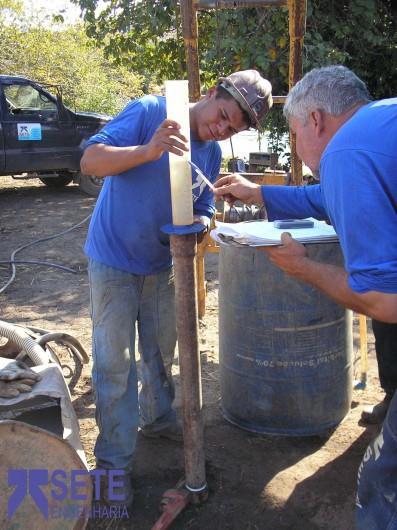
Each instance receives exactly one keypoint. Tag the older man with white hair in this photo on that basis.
(351, 143)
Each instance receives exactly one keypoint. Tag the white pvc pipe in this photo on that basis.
(177, 97)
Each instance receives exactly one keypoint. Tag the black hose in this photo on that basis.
(45, 263)
(12, 260)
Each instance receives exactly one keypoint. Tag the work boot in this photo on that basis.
(172, 432)
(123, 492)
(375, 415)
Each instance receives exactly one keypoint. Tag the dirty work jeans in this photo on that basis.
(376, 503)
(119, 301)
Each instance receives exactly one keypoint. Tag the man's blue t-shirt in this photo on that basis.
(125, 230)
(357, 193)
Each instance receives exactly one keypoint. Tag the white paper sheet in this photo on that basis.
(263, 233)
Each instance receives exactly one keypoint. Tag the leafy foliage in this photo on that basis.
(147, 36)
(65, 56)
(362, 34)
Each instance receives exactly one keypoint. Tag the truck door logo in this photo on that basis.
(29, 131)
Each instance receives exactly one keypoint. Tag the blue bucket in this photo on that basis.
(285, 349)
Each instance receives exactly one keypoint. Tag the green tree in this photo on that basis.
(147, 34)
(65, 56)
(362, 34)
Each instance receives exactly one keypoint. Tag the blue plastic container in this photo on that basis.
(285, 349)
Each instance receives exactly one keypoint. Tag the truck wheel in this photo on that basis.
(91, 185)
(57, 182)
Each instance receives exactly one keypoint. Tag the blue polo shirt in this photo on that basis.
(125, 230)
(357, 193)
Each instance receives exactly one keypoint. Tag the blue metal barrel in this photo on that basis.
(285, 349)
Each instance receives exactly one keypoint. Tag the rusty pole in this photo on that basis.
(297, 28)
(184, 249)
(190, 37)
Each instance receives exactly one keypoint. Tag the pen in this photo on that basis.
(199, 172)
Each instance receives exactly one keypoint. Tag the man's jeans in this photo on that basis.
(119, 300)
(376, 503)
(386, 354)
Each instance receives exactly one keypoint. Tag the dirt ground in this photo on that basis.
(255, 482)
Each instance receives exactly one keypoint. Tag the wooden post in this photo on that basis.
(200, 268)
(362, 319)
(190, 38)
(297, 27)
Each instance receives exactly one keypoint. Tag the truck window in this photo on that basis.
(25, 100)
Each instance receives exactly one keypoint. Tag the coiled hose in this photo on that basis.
(26, 343)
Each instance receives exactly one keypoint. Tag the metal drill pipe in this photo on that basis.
(183, 249)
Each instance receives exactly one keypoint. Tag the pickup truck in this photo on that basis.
(41, 138)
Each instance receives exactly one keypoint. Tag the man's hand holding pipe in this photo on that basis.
(235, 187)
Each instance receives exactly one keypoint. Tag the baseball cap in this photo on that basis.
(252, 92)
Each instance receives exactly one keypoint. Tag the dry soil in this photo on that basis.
(255, 482)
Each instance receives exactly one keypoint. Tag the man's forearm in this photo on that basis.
(102, 160)
(282, 202)
(332, 281)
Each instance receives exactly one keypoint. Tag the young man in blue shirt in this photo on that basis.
(130, 267)
(351, 143)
